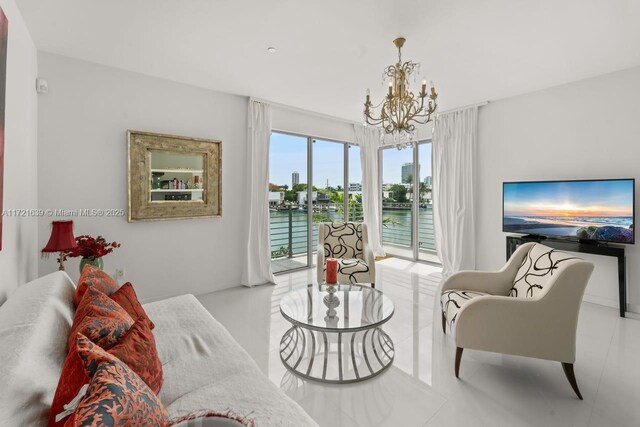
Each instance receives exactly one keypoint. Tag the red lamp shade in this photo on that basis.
(61, 237)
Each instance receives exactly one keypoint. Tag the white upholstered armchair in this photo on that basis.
(348, 242)
(529, 308)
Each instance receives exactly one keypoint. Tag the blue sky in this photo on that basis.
(288, 153)
(580, 198)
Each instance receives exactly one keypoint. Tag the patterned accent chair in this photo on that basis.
(528, 308)
(348, 242)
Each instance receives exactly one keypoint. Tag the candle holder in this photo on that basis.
(332, 302)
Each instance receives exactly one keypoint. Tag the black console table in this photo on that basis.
(575, 246)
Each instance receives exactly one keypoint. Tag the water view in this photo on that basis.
(289, 228)
(335, 178)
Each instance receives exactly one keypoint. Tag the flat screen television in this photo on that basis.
(592, 210)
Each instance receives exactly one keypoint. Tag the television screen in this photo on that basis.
(601, 210)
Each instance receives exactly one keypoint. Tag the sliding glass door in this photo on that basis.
(288, 202)
(397, 194)
(335, 194)
(426, 237)
(328, 184)
(407, 203)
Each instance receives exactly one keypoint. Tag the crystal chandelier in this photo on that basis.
(401, 110)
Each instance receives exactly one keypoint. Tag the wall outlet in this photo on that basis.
(119, 273)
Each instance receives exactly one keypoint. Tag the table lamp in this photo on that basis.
(61, 240)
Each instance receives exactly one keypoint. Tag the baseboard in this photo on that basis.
(608, 302)
(633, 308)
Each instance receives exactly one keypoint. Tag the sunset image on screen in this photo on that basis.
(591, 210)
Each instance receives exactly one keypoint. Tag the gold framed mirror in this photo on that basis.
(173, 177)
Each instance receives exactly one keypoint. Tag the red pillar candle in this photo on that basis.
(331, 275)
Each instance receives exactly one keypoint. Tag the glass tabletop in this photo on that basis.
(336, 308)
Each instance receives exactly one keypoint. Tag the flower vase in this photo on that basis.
(97, 263)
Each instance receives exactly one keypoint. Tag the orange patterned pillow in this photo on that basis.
(95, 278)
(116, 396)
(137, 349)
(126, 297)
(100, 319)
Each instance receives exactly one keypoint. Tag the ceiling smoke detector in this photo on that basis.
(272, 49)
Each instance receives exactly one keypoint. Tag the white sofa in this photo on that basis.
(204, 367)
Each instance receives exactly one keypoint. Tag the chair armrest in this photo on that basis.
(368, 256)
(491, 282)
(320, 263)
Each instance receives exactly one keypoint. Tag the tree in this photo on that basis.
(274, 187)
(337, 198)
(398, 193)
(408, 179)
(291, 196)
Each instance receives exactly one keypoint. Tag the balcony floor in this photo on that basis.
(285, 264)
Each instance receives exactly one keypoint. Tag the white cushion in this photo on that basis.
(206, 369)
(539, 268)
(34, 325)
(451, 302)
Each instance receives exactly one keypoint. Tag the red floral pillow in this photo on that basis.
(116, 395)
(100, 319)
(96, 303)
(96, 278)
(137, 349)
(126, 297)
(104, 331)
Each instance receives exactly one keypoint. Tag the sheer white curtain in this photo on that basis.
(454, 154)
(368, 139)
(257, 263)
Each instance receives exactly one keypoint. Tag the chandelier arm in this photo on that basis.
(373, 122)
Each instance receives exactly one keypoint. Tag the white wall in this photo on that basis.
(583, 130)
(83, 164)
(18, 258)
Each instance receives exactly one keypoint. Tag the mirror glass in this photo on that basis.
(176, 177)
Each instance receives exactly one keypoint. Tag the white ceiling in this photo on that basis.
(330, 51)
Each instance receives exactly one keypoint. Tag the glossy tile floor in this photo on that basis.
(420, 388)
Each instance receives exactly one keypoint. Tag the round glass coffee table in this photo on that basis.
(336, 335)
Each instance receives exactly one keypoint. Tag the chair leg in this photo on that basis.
(444, 324)
(568, 371)
(459, 351)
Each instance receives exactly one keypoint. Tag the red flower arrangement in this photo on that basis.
(92, 248)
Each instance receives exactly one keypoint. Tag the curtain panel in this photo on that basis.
(257, 262)
(368, 139)
(454, 157)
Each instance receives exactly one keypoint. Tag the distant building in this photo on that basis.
(276, 198)
(428, 181)
(355, 186)
(295, 179)
(407, 171)
(302, 197)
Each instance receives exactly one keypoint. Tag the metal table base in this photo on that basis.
(336, 357)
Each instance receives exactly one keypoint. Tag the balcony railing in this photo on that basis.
(288, 226)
